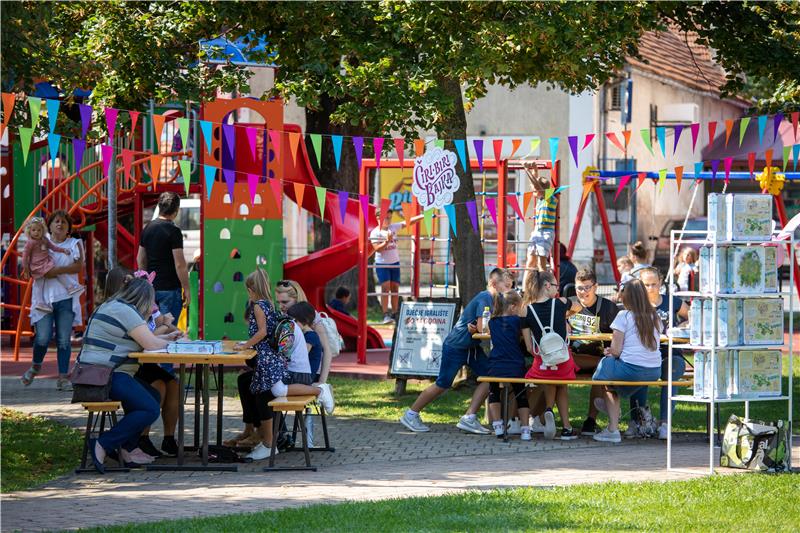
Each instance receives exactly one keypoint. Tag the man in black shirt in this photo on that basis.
(161, 251)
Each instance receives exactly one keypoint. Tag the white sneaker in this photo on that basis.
(549, 425)
(608, 436)
(600, 404)
(388, 319)
(632, 431)
(536, 425)
(326, 397)
(260, 452)
(137, 456)
(663, 431)
(413, 423)
(514, 427)
(470, 424)
(525, 434)
(498, 430)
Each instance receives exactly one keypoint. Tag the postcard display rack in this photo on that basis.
(737, 315)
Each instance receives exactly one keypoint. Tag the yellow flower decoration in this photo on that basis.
(771, 181)
(593, 172)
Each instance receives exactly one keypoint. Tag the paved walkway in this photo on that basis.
(373, 460)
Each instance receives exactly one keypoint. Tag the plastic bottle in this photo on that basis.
(486, 316)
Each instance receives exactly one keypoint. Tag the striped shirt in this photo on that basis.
(106, 341)
(545, 213)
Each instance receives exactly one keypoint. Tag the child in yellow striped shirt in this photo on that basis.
(543, 234)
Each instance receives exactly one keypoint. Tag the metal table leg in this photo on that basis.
(220, 388)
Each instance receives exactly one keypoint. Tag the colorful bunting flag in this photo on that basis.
(795, 117)
(492, 207)
(229, 139)
(727, 162)
(762, 125)
(134, 119)
(786, 150)
(299, 192)
(751, 163)
(677, 130)
(714, 167)
(321, 196)
(679, 176)
(535, 145)
(768, 157)
(9, 101)
(358, 146)
(526, 202)
(158, 128)
(472, 210)
(450, 210)
(363, 199)
(25, 135)
(611, 136)
(439, 143)
(698, 168)
(548, 193)
(712, 128)
(35, 105)
(252, 141)
(776, 123)
(515, 144)
(107, 154)
(111, 122)
(728, 130)
(645, 133)
(336, 141)
(183, 128)
(572, 140)
(587, 140)
(86, 118)
(626, 134)
(478, 145)
(428, 217)
(661, 134)
(186, 173)
(623, 181)
(408, 212)
(230, 180)
(53, 142)
(419, 147)
(277, 193)
(316, 144)
(52, 112)
(461, 150)
(210, 173)
(587, 188)
(553, 142)
(206, 128)
(275, 139)
(743, 128)
(497, 146)
(695, 128)
(662, 179)
(642, 177)
(514, 203)
(127, 162)
(558, 189)
(155, 170)
(400, 149)
(342, 204)
(377, 147)
(795, 155)
(294, 144)
(78, 147)
(252, 187)
(384, 212)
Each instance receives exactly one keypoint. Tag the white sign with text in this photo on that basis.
(421, 330)
(435, 179)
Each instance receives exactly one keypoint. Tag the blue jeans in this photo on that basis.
(678, 368)
(169, 302)
(141, 404)
(453, 360)
(61, 317)
(613, 369)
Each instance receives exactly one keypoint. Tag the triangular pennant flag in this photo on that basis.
(534, 145)
(548, 193)
(678, 176)
(450, 210)
(377, 146)
(134, 120)
(363, 199)
(712, 128)
(186, 173)
(714, 167)
(698, 168)
(358, 146)
(385, 204)
(86, 118)
(645, 133)
(107, 154)
(677, 132)
(439, 143)
(322, 194)
(294, 144)
(229, 139)
(461, 150)
(514, 203)
(526, 202)
(25, 135)
(158, 127)
(572, 140)
(400, 149)
(743, 128)
(53, 142)
(343, 204)
(642, 177)
(795, 117)
(408, 212)
(78, 147)
(795, 155)
(252, 142)
(751, 163)
(627, 136)
(316, 144)
(662, 179)
(768, 157)
(9, 100)
(127, 161)
(661, 134)
(515, 144)
(35, 105)
(210, 173)
(728, 130)
(497, 146)
(111, 121)
(587, 188)
(428, 217)
(762, 125)
(155, 169)
(52, 112)
(336, 141)
(492, 207)
(611, 136)
(623, 181)
(419, 147)
(553, 142)
(559, 189)
(695, 128)
(727, 162)
(252, 187)
(478, 145)
(275, 139)
(277, 193)
(587, 140)
(776, 123)
(786, 150)
(183, 128)
(230, 181)
(206, 128)
(472, 210)
(299, 192)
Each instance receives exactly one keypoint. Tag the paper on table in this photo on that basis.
(162, 350)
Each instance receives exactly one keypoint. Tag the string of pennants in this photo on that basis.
(621, 140)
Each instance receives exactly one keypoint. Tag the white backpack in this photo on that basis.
(335, 341)
(552, 348)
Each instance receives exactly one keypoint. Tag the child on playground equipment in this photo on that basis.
(686, 268)
(506, 359)
(543, 233)
(36, 262)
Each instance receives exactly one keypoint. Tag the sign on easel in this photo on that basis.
(419, 336)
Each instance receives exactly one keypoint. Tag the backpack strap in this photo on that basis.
(552, 312)
(541, 327)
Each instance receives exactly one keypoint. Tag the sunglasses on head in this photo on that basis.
(284, 283)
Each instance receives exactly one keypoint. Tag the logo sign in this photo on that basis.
(435, 178)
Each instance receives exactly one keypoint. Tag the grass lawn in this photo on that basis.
(718, 503)
(35, 450)
(375, 399)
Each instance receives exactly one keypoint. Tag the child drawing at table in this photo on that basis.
(36, 263)
(506, 359)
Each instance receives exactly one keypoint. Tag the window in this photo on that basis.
(615, 98)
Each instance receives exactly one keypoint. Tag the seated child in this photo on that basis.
(36, 262)
(340, 300)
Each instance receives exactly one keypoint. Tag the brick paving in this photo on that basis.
(373, 460)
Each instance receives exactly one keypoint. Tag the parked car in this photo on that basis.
(189, 222)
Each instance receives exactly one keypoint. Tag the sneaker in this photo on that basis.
(470, 424)
(514, 427)
(260, 452)
(589, 427)
(388, 319)
(169, 446)
(136, 456)
(536, 425)
(414, 423)
(549, 425)
(608, 436)
(326, 397)
(498, 430)
(45, 308)
(98, 455)
(632, 431)
(284, 443)
(663, 431)
(600, 404)
(63, 384)
(29, 375)
(147, 446)
(525, 434)
(569, 434)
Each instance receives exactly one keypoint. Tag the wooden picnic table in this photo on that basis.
(202, 362)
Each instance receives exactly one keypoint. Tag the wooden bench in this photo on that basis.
(298, 405)
(99, 412)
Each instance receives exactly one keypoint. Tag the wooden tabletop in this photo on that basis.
(595, 337)
(229, 356)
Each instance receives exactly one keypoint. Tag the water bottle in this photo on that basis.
(486, 316)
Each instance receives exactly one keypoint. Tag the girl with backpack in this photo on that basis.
(506, 359)
(633, 355)
(544, 326)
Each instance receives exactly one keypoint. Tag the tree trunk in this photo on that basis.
(467, 249)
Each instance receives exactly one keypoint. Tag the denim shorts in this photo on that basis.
(388, 274)
(453, 360)
(541, 242)
(613, 369)
(170, 302)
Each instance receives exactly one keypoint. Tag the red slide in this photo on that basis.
(315, 270)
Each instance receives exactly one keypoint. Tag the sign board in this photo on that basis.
(419, 336)
(435, 179)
